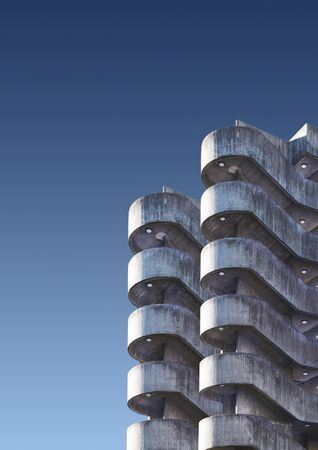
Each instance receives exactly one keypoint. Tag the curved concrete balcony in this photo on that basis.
(231, 431)
(162, 434)
(152, 327)
(244, 207)
(276, 333)
(226, 260)
(248, 152)
(149, 384)
(165, 219)
(222, 373)
(165, 275)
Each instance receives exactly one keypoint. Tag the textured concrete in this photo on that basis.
(164, 282)
(170, 434)
(235, 255)
(244, 143)
(164, 378)
(165, 324)
(233, 369)
(244, 431)
(233, 312)
(304, 143)
(172, 218)
(236, 199)
(168, 270)
(253, 302)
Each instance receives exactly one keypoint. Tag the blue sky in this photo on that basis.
(100, 103)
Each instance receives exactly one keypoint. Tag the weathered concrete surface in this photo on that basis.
(258, 209)
(271, 224)
(261, 214)
(162, 378)
(172, 219)
(232, 312)
(233, 369)
(165, 324)
(247, 143)
(251, 256)
(304, 142)
(246, 431)
(174, 276)
(169, 434)
(281, 145)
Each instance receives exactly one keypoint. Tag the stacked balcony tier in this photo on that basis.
(260, 270)
(164, 330)
(225, 329)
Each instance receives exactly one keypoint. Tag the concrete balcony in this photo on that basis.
(222, 317)
(225, 261)
(162, 434)
(166, 219)
(165, 275)
(223, 373)
(245, 146)
(244, 431)
(151, 384)
(246, 210)
(152, 328)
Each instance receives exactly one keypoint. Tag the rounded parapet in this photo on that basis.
(232, 312)
(149, 384)
(165, 434)
(165, 219)
(242, 145)
(223, 261)
(226, 371)
(233, 201)
(227, 431)
(165, 275)
(153, 326)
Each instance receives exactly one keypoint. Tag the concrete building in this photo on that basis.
(226, 325)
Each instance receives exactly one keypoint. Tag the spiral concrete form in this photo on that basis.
(226, 327)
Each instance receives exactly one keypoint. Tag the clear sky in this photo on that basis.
(100, 103)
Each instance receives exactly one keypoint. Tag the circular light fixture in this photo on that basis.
(316, 286)
(305, 374)
(149, 285)
(304, 322)
(221, 385)
(307, 425)
(304, 271)
(148, 230)
(148, 340)
(222, 219)
(148, 395)
(221, 164)
(221, 274)
(304, 165)
(221, 328)
(302, 221)
(316, 337)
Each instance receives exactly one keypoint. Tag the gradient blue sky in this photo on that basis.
(101, 102)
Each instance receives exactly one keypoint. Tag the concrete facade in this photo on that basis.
(226, 327)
